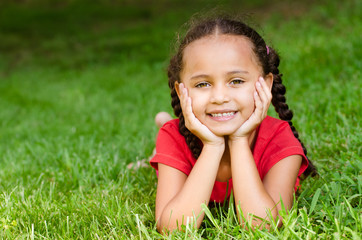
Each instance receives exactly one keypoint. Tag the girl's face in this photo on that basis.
(220, 72)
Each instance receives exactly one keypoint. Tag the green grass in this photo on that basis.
(80, 84)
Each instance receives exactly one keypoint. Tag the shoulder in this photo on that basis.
(275, 142)
(272, 126)
(169, 133)
(172, 149)
(277, 134)
(172, 124)
(170, 130)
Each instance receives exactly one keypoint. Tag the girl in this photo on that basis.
(222, 80)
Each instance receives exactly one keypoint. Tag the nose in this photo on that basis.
(219, 94)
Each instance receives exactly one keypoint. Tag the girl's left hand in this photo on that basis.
(262, 99)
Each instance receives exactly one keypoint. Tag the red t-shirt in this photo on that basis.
(275, 141)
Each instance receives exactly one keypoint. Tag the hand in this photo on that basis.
(193, 124)
(262, 99)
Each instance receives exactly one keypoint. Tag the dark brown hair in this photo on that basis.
(268, 60)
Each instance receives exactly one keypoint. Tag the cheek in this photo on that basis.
(196, 101)
(250, 105)
(191, 94)
(249, 96)
(193, 97)
(198, 96)
(246, 101)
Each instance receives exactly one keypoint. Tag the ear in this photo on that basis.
(177, 88)
(269, 80)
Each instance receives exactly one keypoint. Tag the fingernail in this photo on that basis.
(261, 79)
(258, 84)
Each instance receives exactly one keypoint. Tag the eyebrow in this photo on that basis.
(228, 73)
(199, 76)
(237, 71)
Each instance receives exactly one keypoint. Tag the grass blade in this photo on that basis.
(314, 200)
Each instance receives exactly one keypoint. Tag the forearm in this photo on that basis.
(250, 193)
(196, 190)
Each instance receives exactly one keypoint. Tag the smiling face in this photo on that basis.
(220, 72)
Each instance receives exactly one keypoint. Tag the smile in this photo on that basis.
(222, 116)
(227, 114)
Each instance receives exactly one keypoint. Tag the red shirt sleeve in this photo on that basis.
(281, 143)
(171, 149)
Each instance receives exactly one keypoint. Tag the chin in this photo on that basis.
(223, 132)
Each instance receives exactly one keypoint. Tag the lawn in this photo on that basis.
(80, 84)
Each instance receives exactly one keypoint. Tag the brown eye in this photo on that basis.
(236, 81)
(202, 85)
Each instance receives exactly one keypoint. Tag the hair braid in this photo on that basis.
(280, 105)
(192, 141)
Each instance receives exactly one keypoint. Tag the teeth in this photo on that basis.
(222, 114)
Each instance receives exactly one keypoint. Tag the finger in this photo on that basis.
(187, 107)
(183, 96)
(264, 94)
(259, 109)
(261, 98)
(261, 91)
(266, 89)
(192, 123)
(181, 89)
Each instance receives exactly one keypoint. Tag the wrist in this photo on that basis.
(215, 147)
(238, 142)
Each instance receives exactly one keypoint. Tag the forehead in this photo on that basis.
(217, 47)
(221, 38)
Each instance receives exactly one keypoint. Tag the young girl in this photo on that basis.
(222, 80)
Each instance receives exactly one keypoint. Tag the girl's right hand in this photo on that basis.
(193, 124)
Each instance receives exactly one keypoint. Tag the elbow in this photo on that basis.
(165, 225)
(260, 221)
(163, 228)
(166, 228)
(166, 222)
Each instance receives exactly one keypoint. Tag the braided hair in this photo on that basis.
(267, 58)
